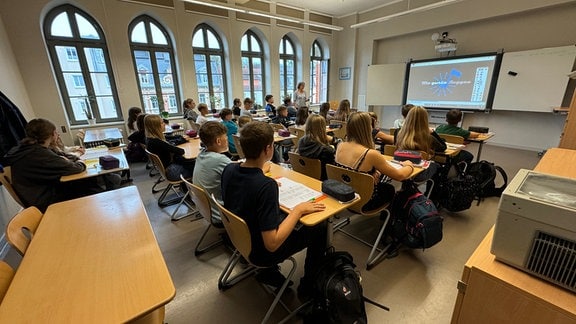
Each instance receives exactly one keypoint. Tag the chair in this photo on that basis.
(22, 227)
(390, 149)
(299, 133)
(240, 236)
(454, 139)
(193, 125)
(363, 184)
(6, 180)
(180, 199)
(202, 201)
(277, 127)
(393, 131)
(308, 166)
(236, 139)
(6, 275)
(339, 132)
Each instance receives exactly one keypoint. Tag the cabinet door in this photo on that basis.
(489, 300)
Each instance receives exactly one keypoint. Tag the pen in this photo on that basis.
(312, 200)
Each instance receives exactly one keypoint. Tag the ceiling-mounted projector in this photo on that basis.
(446, 47)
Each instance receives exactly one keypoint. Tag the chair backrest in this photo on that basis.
(308, 166)
(6, 275)
(193, 125)
(22, 227)
(200, 199)
(277, 127)
(389, 149)
(237, 230)
(362, 183)
(454, 139)
(6, 180)
(236, 139)
(157, 163)
(393, 131)
(299, 133)
(339, 132)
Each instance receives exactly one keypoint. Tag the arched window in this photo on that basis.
(154, 66)
(209, 64)
(253, 67)
(287, 67)
(82, 66)
(318, 74)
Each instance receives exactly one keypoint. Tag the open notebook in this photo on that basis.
(292, 193)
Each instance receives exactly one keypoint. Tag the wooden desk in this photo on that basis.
(95, 137)
(92, 260)
(493, 292)
(93, 168)
(191, 148)
(278, 138)
(333, 206)
(483, 137)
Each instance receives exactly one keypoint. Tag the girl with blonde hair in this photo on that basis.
(343, 111)
(358, 154)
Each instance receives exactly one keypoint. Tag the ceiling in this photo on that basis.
(337, 8)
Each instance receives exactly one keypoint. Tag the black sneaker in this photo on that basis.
(272, 277)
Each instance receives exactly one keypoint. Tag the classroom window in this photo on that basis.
(81, 64)
(318, 74)
(253, 67)
(210, 66)
(287, 67)
(154, 66)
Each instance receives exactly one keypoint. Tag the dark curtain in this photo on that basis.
(12, 125)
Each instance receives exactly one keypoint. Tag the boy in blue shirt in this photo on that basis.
(250, 194)
(270, 109)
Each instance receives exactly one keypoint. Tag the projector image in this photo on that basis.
(446, 47)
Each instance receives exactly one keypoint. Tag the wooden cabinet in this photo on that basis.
(568, 137)
(493, 292)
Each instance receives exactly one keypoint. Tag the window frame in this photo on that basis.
(319, 58)
(251, 55)
(207, 53)
(284, 57)
(80, 44)
(153, 49)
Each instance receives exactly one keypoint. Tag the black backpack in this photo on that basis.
(456, 193)
(337, 295)
(485, 173)
(415, 220)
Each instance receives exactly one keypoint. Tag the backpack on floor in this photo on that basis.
(485, 173)
(456, 193)
(415, 220)
(337, 295)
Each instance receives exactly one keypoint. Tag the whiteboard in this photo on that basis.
(540, 81)
(385, 84)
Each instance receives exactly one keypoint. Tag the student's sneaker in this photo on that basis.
(272, 277)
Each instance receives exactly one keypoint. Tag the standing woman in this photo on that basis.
(172, 157)
(299, 97)
(358, 154)
(133, 113)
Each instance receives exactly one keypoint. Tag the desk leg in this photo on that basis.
(479, 150)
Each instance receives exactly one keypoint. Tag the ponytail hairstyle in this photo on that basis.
(38, 131)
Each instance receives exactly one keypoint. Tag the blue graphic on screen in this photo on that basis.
(442, 85)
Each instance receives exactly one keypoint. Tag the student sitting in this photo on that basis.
(301, 117)
(172, 157)
(316, 144)
(236, 107)
(204, 113)
(246, 110)
(342, 112)
(358, 154)
(417, 136)
(253, 196)
(282, 117)
(210, 161)
(133, 113)
(189, 111)
(324, 109)
(36, 169)
(378, 135)
(290, 107)
(270, 109)
(400, 121)
(232, 128)
(243, 120)
(453, 117)
(135, 150)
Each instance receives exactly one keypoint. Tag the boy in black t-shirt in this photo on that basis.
(253, 196)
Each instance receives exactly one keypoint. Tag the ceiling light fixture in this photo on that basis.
(263, 14)
(407, 12)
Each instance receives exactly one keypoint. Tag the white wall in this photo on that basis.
(478, 26)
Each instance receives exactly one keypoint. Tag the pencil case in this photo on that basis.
(338, 190)
(284, 132)
(109, 162)
(403, 155)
